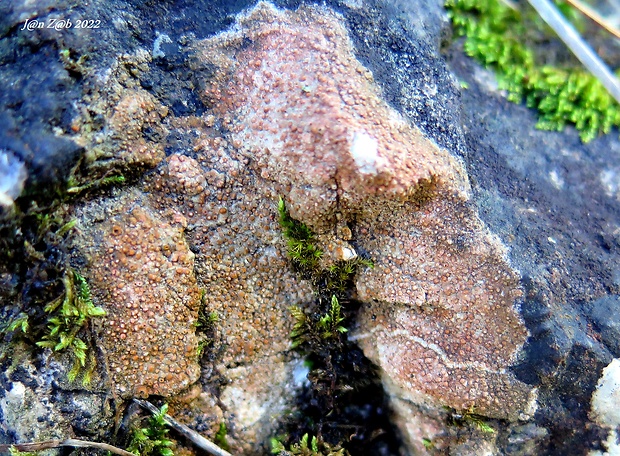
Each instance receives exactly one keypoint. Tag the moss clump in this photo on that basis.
(306, 447)
(342, 406)
(300, 240)
(15, 452)
(152, 440)
(328, 326)
(75, 188)
(60, 325)
(20, 323)
(205, 326)
(495, 35)
(68, 315)
(306, 256)
(46, 302)
(470, 418)
(337, 278)
(220, 437)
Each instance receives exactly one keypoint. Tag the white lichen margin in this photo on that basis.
(605, 407)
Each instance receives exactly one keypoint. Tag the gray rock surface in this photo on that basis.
(37, 403)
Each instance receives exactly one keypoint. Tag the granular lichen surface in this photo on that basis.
(142, 271)
(293, 114)
(441, 301)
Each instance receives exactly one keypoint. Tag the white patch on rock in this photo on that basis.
(605, 404)
(365, 152)
(12, 177)
(161, 38)
(17, 392)
(610, 178)
(354, 4)
(556, 179)
(613, 449)
(258, 395)
(300, 374)
(248, 409)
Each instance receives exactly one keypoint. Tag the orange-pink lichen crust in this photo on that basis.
(294, 114)
(440, 318)
(136, 112)
(241, 259)
(142, 272)
(311, 116)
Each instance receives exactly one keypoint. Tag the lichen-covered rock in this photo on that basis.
(440, 318)
(310, 115)
(141, 271)
(240, 261)
(136, 113)
(279, 106)
(121, 125)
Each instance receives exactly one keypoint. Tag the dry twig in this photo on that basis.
(577, 45)
(47, 444)
(196, 438)
(588, 11)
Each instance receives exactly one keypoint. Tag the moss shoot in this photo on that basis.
(306, 447)
(68, 316)
(152, 439)
(343, 409)
(504, 39)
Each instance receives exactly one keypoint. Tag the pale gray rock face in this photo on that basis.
(37, 403)
(496, 247)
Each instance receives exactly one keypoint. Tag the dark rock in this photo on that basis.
(604, 313)
(37, 405)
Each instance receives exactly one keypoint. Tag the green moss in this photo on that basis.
(301, 328)
(67, 316)
(306, 256)
(329, 283)
(300, 240)
(337, 278)
(15, 452)
(496, 36)
(470, 418)
(74, 187)
(152, 440)
(205, 325)
(328, 326)
(220, 437)
(339, 375)
(306, 447)
(55, 301)
(20, 323)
